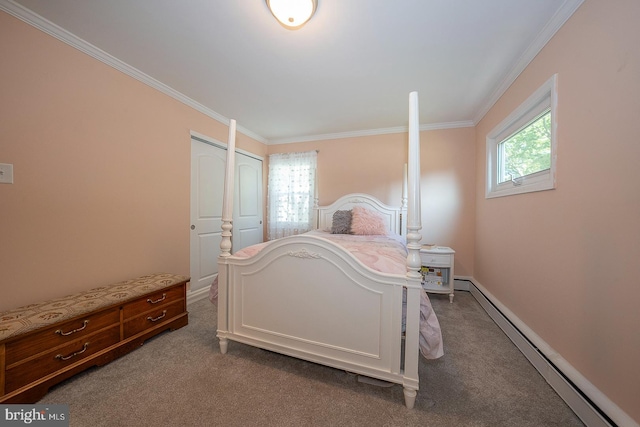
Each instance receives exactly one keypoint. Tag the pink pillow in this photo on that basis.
(367, 222)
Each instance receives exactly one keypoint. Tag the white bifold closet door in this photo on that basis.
(208, 160)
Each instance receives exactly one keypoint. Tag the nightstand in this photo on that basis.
(437, 269)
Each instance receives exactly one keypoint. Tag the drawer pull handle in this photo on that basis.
(64, 334)
(84, 348)
(150, 301)
(164, 313)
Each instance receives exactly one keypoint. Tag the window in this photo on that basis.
(291, 190)
(521, 151)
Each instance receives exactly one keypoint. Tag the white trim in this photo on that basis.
(552, 366)
(212, 141)
(561, 16)
(31, 18)
(545, 97)
(197, 295)
(557, 21)
(370, 132)
(209, 140)
(448, 125)
(462, 283)
(72, 40)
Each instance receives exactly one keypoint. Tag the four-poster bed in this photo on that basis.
(310, 297)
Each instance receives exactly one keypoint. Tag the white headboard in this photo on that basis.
(395, 217)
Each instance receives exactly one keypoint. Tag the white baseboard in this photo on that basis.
(588, 403)
(198, 294)
(462, 283)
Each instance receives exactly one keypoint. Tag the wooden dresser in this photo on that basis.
(43, 344)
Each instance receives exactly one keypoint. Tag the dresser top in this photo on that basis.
(436, 249)
(34, 316)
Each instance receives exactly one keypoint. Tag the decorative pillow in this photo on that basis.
(341, 223)
(367, 222)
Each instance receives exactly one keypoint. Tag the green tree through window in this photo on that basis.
(527, 151)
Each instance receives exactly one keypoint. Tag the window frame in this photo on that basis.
(277, 199)
(543, 99)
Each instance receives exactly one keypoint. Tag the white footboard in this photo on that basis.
(306, 297)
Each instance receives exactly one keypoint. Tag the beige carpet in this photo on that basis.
(180, 379)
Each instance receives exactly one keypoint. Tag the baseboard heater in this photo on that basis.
(576, 399)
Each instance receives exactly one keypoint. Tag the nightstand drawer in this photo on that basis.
(435, 260)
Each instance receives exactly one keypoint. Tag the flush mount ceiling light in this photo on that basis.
(292, 14)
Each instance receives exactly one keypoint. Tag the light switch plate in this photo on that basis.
(6, 173)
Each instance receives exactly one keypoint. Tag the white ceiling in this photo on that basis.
(348, 71)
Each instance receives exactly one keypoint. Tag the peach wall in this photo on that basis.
(565, 261)
(102, 171)
(374, 165)
(101, 189)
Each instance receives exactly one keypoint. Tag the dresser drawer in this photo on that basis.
(153, 301)
(435, 260)
(151, 318)
(24, 372)
(60, 334)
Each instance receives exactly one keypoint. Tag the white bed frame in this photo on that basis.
(306, 297)
(394, 217)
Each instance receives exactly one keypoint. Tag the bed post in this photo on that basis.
(414, 237)
(225, 243)
(405, 195)
(405, 198)
(316, 205)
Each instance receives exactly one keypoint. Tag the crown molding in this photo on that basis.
(370, 132)
(555, 23)
(48, 27)
(74, 41)
(562, 15)
(448, 125)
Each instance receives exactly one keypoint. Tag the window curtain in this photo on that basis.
(291, 191)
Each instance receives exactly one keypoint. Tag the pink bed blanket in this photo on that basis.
(386, 254)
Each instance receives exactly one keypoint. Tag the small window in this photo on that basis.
(521, 150)
(291, 200)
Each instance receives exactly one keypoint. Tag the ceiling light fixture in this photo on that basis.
(292, 14)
